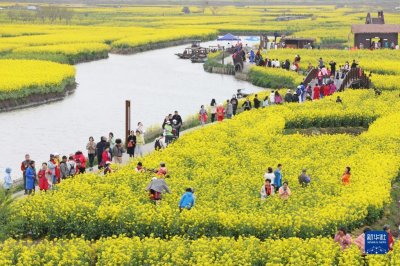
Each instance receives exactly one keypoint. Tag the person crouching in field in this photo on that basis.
(284, 191)
(346, 176)
(155, 188)
(267, 189)
(187, 200)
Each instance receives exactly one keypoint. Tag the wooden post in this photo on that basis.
(127, 119)
(223, 54)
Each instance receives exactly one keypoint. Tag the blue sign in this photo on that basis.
(376, 242)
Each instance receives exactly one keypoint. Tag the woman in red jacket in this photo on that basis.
(105, 156)
(42, 175)
(316, 92)
(80, 162)
(326, 90)
(220, 112)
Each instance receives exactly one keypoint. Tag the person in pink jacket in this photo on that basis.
(284, 191)
(343, 238)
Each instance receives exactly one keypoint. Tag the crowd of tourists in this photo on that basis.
(106, 150)
(273, 182)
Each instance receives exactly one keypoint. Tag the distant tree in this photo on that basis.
(186, 10)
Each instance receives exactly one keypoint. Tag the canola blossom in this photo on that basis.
(180, 251)
(24, 77)
(225, 164)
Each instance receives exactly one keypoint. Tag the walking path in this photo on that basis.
(147, 149)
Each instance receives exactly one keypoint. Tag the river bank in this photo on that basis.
(38, 98)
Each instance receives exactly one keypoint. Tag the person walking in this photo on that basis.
(202, 115)
(234, 102)
(80, 162)
(63, 168)
(131, 144)
(220, 112)
(7, 185)
(187, 200)
(43, 176)
(278, 177)
(105, 157)
(118, 151)
(24, 166)
(72, 166)
(139, 143)
(30, 177)
(179, 122)
(168, 133)
(100, 147)
(91, 148)
(111, 142)
(316, 94)
(256, 101)
(247, 104)
(229, 109)
(333, 68)
(213, 110)
(51, 164)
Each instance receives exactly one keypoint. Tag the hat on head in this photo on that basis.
(8, 170)
(386, 227)
(288, 91)
(108, 162)
(168, 122)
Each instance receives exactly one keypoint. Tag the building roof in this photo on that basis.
(375, 28)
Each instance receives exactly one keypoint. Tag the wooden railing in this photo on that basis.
(312, 74)
(355, 74)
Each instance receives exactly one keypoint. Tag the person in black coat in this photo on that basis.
(295, 98)
(131, 144)
(289, 96)
(179, 122)
(100, 147)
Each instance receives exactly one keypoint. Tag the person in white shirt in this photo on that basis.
(277, 63)
(272, 97)
(269, 174)
(273, 63)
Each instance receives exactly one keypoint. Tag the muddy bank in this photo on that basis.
(154, 46)
(36, 99)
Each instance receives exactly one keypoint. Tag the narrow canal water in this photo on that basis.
(156, 82)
